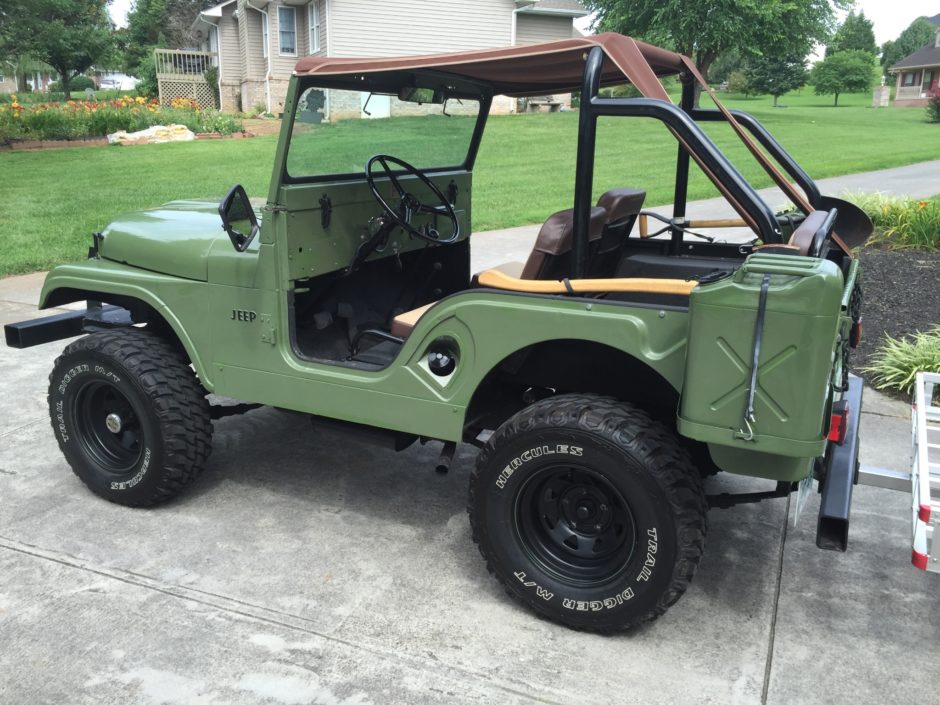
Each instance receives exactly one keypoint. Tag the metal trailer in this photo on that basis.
(925, 473)
(924, 479)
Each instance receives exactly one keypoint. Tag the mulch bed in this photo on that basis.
(901, 290)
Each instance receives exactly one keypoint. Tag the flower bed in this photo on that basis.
(79, 119)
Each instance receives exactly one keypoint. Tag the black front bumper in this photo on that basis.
(37, 331)
(832, 530)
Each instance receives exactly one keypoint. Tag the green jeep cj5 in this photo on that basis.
(601, 379)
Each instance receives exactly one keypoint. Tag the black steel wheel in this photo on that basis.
(130, 416)
(575, 523)
(589, 512)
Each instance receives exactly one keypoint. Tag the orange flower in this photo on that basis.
(923, 204)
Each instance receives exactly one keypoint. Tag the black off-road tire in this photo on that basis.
(589, 512)
(130, 416)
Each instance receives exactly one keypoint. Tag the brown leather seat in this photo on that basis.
(551, 255)
(804, 235)
(623, 206)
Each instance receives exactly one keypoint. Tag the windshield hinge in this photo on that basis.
(274, 209)
(326, 211)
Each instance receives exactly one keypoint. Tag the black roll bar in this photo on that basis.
(683, 125)
(753, 125)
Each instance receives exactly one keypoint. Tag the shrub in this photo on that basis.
(933, 109)
(737, 82)
(76, 85)
(147, 74)
(902, 223)
(898, 360)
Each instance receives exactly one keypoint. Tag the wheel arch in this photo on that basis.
(568, 365)
(576, 365)
(144, 307)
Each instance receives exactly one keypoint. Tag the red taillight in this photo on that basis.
(923, 513)
(918, 559)
(855, 335)
(838, 424)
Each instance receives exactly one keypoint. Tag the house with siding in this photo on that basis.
(258, 42)
(918, 75)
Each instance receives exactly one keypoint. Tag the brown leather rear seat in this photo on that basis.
(551, 255)
(623, 206)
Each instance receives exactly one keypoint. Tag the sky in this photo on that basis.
(890, 17)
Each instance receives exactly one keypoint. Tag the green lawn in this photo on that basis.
(50, 201)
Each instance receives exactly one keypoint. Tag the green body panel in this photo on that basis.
(803, 313)
(172, 239)
(254, 360)
(313, 249)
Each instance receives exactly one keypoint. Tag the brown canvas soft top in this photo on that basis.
(536, 69)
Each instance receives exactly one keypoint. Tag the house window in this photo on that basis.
(928, 79)
(264, 35)
(313, 23)
(287, 30)
(907, 79)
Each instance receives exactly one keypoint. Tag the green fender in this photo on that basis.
(165, 294)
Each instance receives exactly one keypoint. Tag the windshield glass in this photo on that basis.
(337, 131)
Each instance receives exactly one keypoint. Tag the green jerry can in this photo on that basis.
(795, 345)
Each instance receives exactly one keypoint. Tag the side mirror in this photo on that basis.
(238, 218)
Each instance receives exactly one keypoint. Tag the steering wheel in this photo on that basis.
(408, 203)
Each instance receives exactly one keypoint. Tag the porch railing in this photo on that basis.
(182, 74)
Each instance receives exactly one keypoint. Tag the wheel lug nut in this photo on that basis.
(603, 507)
(597, 527)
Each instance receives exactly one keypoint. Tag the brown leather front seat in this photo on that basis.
(551, 255)
(623, 206)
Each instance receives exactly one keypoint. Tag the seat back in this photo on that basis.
(623, 206)
(551, 255)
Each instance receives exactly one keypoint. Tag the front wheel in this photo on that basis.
(130, 416)
(589, 512)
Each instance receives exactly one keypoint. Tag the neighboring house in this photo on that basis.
(38, 76)
(259, 41)
(918, 74)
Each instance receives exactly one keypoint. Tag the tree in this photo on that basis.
(723, 66)
(918, 34)
(705, 29)
(158, 23)
(856, 32)
(68, 35)
(847, 71)
(776, 75)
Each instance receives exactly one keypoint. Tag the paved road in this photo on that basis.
(303, 569)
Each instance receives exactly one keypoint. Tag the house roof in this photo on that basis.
(928, 56)
(564, 8)
(211, 15)
(925, 56)
(535, 69)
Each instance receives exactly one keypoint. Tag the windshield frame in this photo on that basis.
(384, 83)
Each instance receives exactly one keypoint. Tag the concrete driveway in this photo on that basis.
(304, 569)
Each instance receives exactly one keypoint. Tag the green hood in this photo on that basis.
(174, 238)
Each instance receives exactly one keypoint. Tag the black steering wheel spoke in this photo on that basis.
(409, 204)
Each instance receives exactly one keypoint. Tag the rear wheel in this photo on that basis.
(589, 512)
(129, 416)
